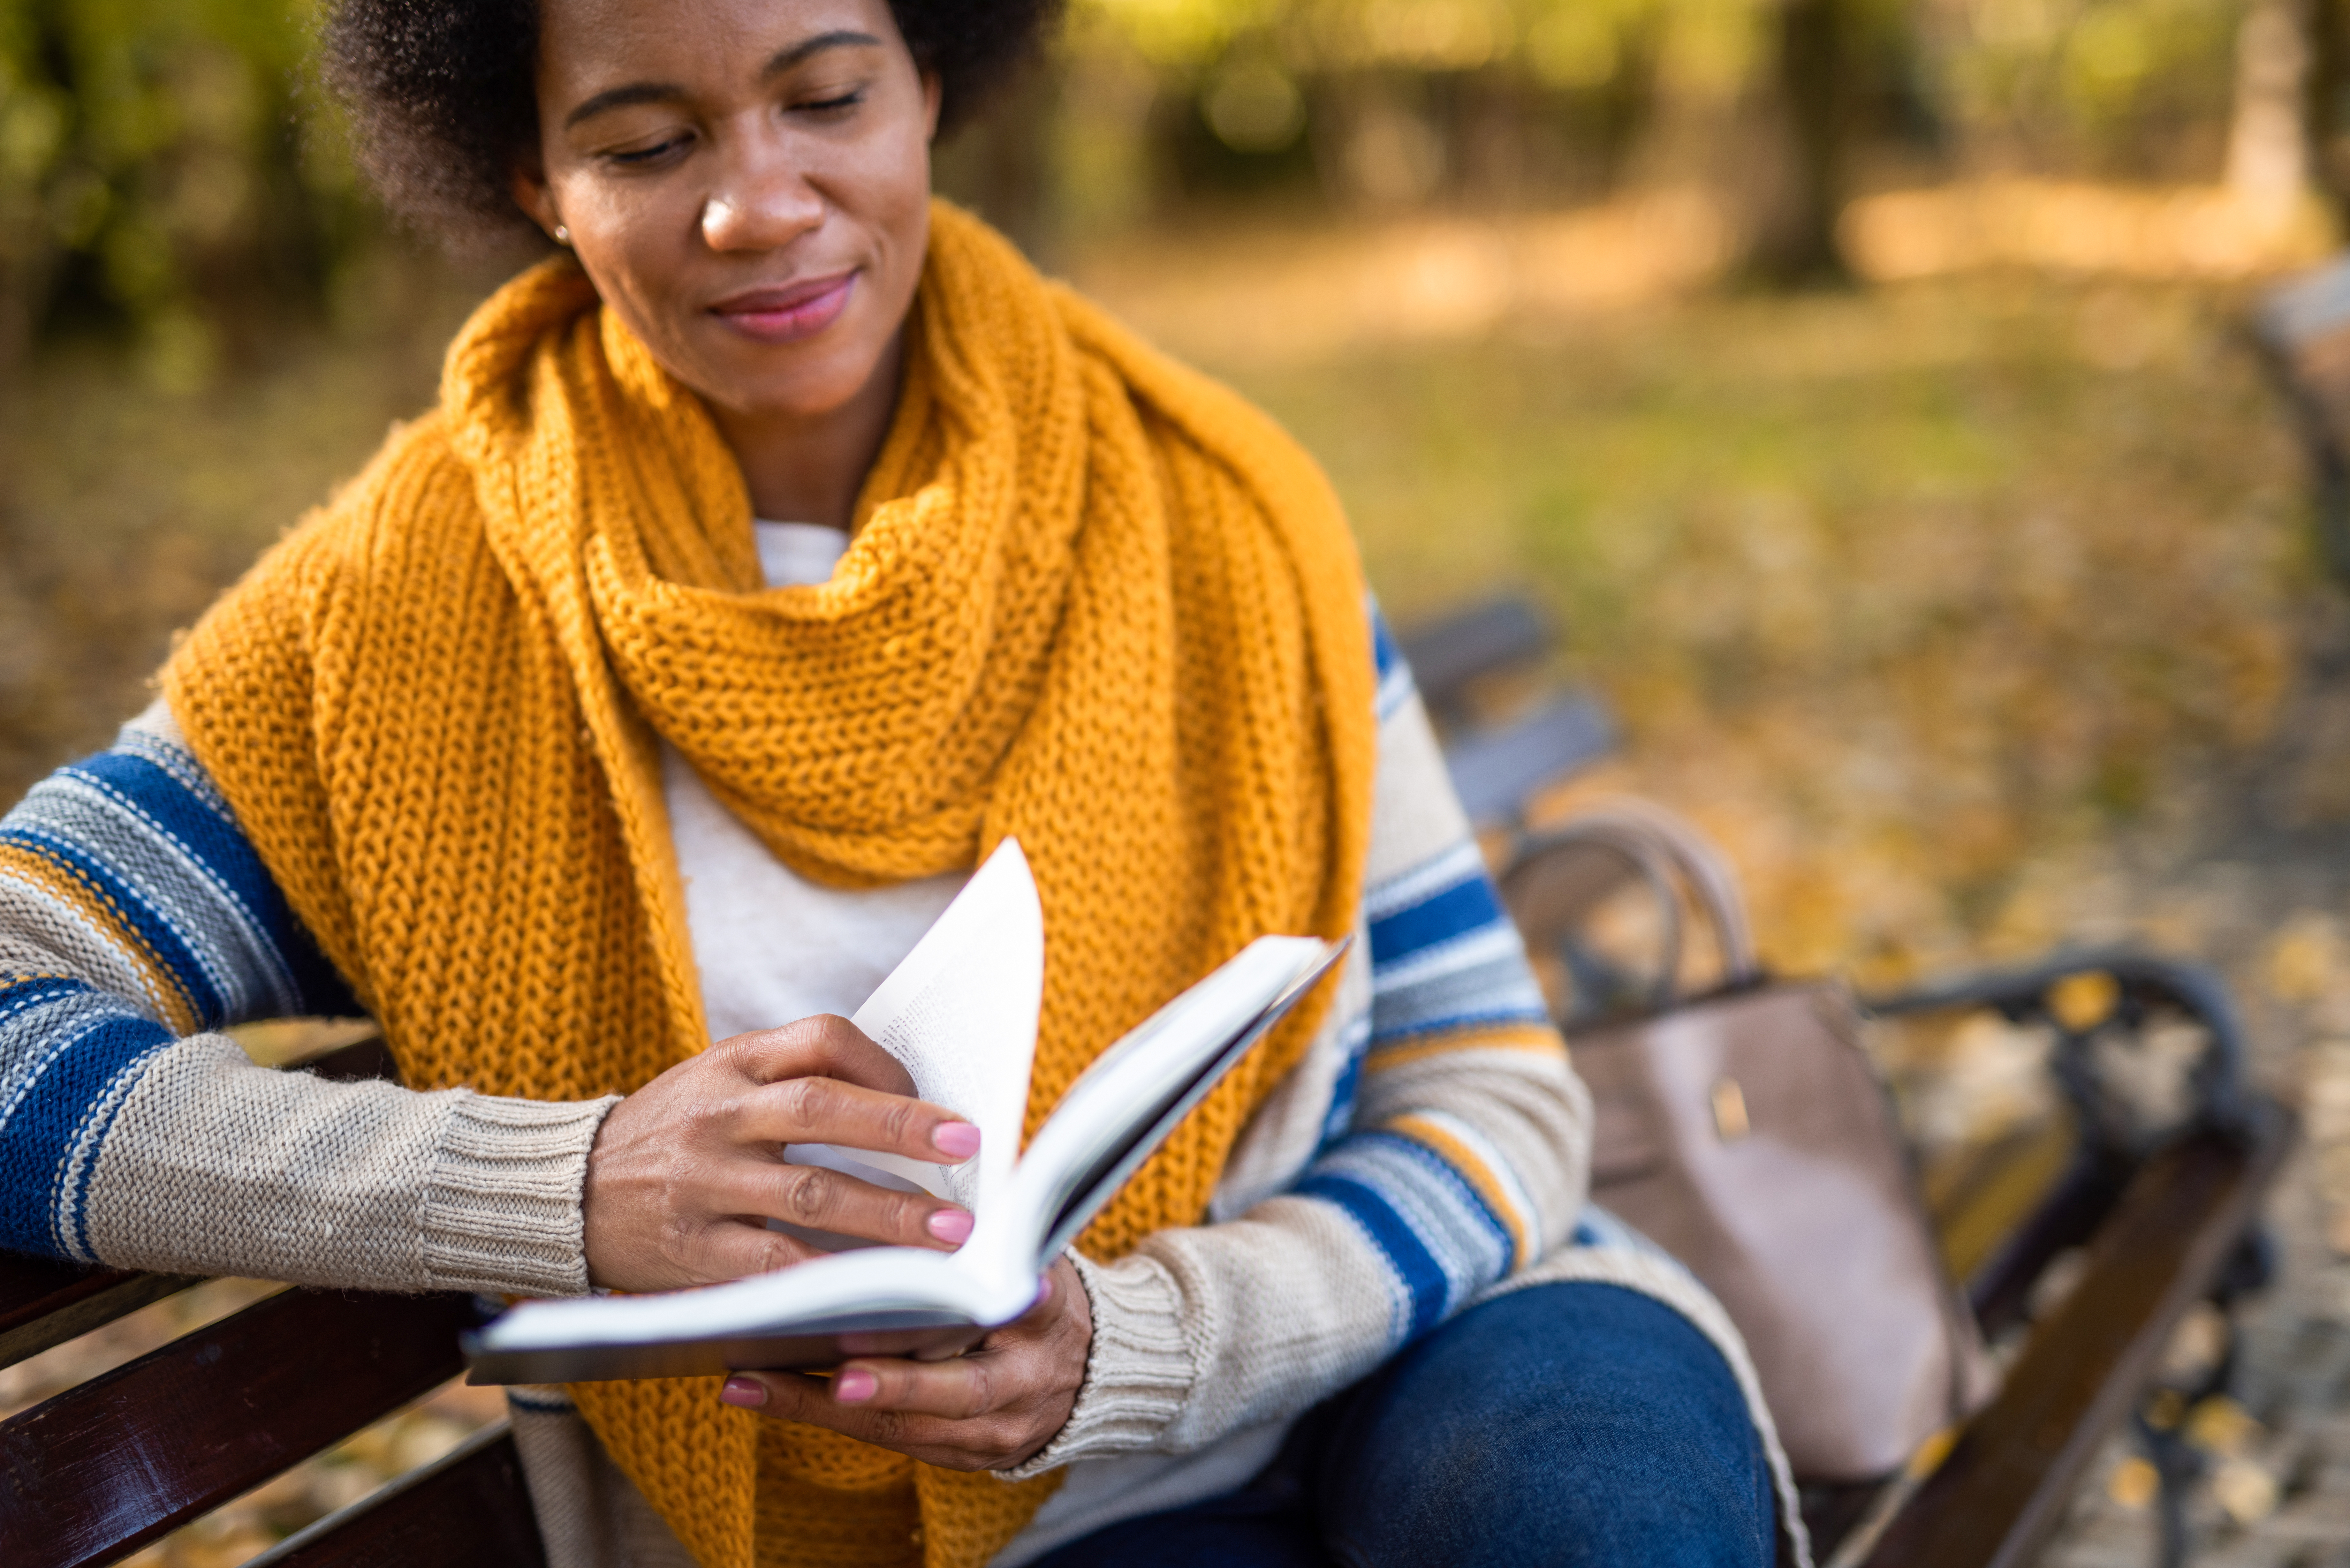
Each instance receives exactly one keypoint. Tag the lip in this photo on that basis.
(787, 313)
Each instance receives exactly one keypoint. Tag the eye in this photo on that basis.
(640, 157)
(837, 104)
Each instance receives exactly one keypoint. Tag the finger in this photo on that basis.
(736, 1250)
(954, 1390)
(983, 1444)
(822, 1199)
(794, 1396)
(827, 1110)
(826, 1046)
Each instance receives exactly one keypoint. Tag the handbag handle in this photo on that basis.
(1667, 853)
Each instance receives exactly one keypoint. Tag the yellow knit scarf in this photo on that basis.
(1094, 600)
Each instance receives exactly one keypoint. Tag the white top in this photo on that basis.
(773, 945)
(795, 554)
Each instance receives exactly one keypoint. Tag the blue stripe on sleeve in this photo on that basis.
(1385, 652)
(1443, 1186)
(1456, 910)
(1340, 1118)
(1422, 1277)
(1392, 671)
(1450, 957)
(1493, 995)
(215, 842)
(144, 920)
(83, 1043)
(170, 808)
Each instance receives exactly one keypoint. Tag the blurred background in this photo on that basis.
(1862, 387)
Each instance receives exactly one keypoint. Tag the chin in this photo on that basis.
(799, 397)
(778, 383)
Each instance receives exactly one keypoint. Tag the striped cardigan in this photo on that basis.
(1430, 1150)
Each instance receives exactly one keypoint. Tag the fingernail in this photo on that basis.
(951, 1226)
(748, 1392)
(855, 1387)
(958, 1140)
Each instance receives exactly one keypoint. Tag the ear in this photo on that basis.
(933, 95)
(526, 181)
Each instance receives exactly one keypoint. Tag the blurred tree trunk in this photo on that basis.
(2268, 134)
(1799, 159)
(2323, 117)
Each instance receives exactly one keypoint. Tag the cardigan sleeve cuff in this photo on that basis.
(501, 1210)
(1139, 1371)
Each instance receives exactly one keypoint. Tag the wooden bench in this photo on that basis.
(104, 1468)
(2159, 1218)
(1499, 764)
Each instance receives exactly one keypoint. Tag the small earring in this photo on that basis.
(562, 236)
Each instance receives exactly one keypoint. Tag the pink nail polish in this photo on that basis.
(959, 1140)
(855, 1387)
(951, 1226)
(747, 1391)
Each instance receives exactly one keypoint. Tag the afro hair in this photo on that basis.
(442, 95)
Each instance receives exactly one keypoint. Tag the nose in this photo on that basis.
(763, 199)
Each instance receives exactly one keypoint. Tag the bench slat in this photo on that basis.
(2003, 1488)
(103, 1469)
(44, 1303)
(1447, 656)
(470, 1508)
(361, 1059)
(1495, 771)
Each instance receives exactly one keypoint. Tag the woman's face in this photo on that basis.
(746, 181)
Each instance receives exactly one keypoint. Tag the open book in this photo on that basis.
(960, 1015)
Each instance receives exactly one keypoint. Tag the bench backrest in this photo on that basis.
(1497, 768)
(1448, 656)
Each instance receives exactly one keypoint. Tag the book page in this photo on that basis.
(960, 1015)
(1119, 1108)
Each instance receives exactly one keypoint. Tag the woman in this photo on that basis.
(777, 547)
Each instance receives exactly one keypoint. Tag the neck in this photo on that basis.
(808, 468)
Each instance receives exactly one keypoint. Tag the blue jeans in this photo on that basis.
(1576, 1425)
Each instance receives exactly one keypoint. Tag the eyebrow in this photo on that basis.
(783, 59)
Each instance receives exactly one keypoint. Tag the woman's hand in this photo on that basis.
(686, 1172)
(989, 1409)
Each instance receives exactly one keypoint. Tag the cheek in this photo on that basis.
(638, 246)
(896, 198)
(625, 237)
(902, 219)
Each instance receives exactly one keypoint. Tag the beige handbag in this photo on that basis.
(1745, 1132)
